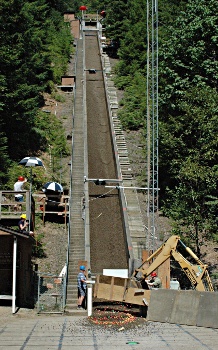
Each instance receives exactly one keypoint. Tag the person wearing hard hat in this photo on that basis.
(18, 186)
(81, 284)
(23, 225)
(154, 282)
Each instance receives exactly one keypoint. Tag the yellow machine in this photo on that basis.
(132, 290)
(197, 274)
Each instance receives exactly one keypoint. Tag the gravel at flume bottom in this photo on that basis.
(116, 316)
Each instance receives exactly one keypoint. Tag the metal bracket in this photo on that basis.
(93, 70)
(101, 181)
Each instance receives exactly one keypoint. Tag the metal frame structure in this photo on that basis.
(152, 119)
(51, 293)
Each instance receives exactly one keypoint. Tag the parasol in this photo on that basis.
(53, 186)
(31, 161)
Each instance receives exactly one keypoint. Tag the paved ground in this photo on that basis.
(29, 331)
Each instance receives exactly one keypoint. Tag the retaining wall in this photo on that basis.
(188, 307)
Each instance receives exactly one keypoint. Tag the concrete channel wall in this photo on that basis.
(188, 307)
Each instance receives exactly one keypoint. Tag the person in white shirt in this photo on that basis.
(18, 186)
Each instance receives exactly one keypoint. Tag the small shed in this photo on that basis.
(68, 80)
(74, 24)
(67, 83)
(17, 276)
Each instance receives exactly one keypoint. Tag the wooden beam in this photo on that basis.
(164, 274)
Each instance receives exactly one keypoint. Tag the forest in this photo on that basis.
(35, 48)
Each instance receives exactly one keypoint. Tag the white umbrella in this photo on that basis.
(31, 161)
(53, 186)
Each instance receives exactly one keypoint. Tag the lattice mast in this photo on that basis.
(152, 120)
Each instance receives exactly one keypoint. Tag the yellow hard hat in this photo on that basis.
(23, 216)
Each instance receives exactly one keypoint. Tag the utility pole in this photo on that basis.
(152, 120)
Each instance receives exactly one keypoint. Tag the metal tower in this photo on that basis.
(152, 120)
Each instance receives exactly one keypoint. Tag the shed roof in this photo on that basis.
(4, 230)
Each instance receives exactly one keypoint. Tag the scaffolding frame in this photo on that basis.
(152, 121)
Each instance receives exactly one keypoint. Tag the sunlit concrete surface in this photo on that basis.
(29, 331)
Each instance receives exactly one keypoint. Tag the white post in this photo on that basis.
(14, 276)
(89, 296)
(30, 204)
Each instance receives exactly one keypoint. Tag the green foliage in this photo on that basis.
(39, 247)
(188, 121)
(192, 132)
(4, 159)
(52, 132)
(188, 163)
(188, 58)
(59, 46)
(131, 34)
(75, 6)
(132, 114)
(39, 176)
(186, 202)
(117, 12)
(57, 97)
(133, 45)
(60, 6)
(34, 52)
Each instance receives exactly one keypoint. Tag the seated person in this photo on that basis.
(23, 225)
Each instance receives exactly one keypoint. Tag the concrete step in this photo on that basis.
(74, 312)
